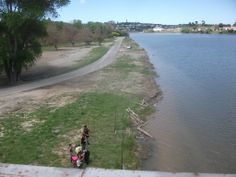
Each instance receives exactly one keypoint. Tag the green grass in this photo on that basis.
(125, 64)
(132, 43)
(48, 48)
(94, 55)
(104, 113)
(109, 39)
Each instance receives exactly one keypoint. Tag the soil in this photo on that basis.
(50, 62)
(55, 62)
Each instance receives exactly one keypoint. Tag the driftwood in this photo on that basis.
(135, 121)
(133, 115)
(140, 123)
(144, 132)
(154, 95)
(132, 112)
(144, 124)
(143, 103)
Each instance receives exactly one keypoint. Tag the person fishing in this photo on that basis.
(83, 142)
(73, 155)
(86, 156)
(72, 149)
(80, 155)
(85, 133)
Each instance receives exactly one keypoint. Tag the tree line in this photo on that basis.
(61, 32)
(21, 27)
(24, 29)
(203, 27)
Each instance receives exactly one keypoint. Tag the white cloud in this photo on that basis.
(82, 1)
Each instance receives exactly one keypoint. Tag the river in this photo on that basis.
(195, 126)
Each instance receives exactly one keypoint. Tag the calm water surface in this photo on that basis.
(195, 129)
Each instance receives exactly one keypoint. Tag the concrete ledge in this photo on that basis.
(13, 170)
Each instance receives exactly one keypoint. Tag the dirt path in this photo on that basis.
(107, 59)
(53, 63)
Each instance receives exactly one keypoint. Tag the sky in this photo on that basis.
(150, 11)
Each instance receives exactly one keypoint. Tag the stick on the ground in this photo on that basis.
(138, 121)
(144, 132)
(134, 115)
(133, 112)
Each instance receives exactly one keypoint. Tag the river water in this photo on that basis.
(195, 126)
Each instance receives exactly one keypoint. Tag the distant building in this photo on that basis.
(230, 28)
(157, 29)
(134, 26)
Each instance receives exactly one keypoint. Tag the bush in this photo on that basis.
(115, 34)
(119, 33)
(185, 30)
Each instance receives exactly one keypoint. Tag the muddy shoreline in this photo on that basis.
(152, 96)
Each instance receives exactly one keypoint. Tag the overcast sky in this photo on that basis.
(151, 11)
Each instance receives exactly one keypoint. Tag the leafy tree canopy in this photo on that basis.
(21, 26)
(32, 8)
(77, 24)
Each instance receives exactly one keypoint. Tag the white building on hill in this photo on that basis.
(157, 29)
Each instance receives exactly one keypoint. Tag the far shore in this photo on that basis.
(179, 32)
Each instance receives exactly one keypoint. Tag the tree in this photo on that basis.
(92, 26)
(78, 24)
(99, 31)
(203, 22)
(221, 25)
(54, 31)
(85, 35)
(21, 26)
(19, 46)
(71, 34)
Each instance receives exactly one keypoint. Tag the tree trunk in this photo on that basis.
(12, 74)
(10, 68)
(12, 77)
(55, 46)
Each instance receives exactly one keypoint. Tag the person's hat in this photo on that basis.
(78, 149)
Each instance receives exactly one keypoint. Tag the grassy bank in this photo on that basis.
(42, 136)
(36, 138)
(93, 56)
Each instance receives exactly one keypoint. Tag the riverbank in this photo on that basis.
(42, 122)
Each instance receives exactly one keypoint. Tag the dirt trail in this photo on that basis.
(107, 59)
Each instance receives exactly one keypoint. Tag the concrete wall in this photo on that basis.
(12, 170)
